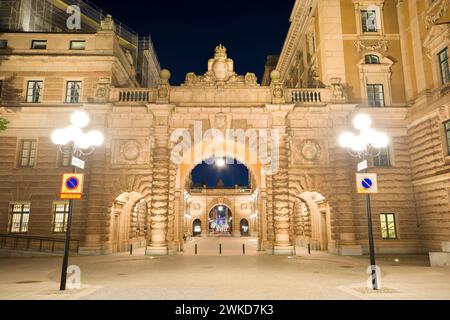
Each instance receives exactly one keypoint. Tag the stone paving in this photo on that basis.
(210, 276)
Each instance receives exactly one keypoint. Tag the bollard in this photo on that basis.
(131, 249)
(243, 249)
(220, 248)
(196, 249)
(309, 248)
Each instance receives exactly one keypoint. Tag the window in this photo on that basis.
(388, 226)
(375, 95)
(383, 159)
(66, 155)
(3, 44)
(34, 91)
(27, 157)
(1, 88)
(369, 21)
(19, 215)
(73, 93)
(39, 44)
(60, 215)
(447, 135)
(77, 45)
(372, 59)
(444, 66)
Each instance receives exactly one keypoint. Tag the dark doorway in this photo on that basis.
(245, 228)
(197, 228)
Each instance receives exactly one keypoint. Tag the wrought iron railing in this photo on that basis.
(35, 243)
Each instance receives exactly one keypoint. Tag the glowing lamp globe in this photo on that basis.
(72, 133)
(96, 138)
(346, 139)
(59, 137)
(362, 121)
(220, 162)
(80, 119)
(381, 140)
(358, 144)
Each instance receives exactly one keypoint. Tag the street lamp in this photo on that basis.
(82, 144)
(368, 143)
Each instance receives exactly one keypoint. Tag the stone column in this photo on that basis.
(280, 181)
(159, 206)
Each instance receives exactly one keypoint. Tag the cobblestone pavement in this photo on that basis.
(231, 275)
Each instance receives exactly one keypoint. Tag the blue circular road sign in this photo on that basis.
(72, 183)
(367, 183)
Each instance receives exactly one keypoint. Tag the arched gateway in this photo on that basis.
(157, 141)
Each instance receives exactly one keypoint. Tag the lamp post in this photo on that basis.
(368, 143)
(82, 144)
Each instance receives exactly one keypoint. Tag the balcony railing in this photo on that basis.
(310, 95)
(131, 96)
(37, 244)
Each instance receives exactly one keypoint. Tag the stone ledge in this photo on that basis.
(440, 259)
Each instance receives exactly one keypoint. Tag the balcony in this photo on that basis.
(131, 96)
(310, 95)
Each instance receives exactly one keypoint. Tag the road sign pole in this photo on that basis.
(65, 263)
(371, 243)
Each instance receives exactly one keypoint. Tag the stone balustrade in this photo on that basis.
(131, 96)
(309, 95)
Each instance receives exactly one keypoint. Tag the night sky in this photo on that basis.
(231, 174)
(185, 33)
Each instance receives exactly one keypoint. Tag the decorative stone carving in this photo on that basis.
(337, 90)
(102, 89)
(377, 46)
(309, 151)
(277, 87)
(164, 87)
(107, 24)
(436, 12)
(221, 73)
(130, 152)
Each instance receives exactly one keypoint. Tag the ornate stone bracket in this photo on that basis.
(433, 15)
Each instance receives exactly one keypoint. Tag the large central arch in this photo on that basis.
(214, 150)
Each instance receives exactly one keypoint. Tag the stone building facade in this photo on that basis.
(340, 57)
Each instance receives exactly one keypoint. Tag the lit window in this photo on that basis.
(39, 44)
(388, 226)
(369, 21)
(19, 217)
(27, 157)
(77, 45)
(375, 95)
(34, 91)
(73, 93)
(3, 44)
(60, 215)
(372, 59)
(66, 155)
(447, 135)
(444, 66)
(383, 159)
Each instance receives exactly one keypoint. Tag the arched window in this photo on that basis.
(372, 59)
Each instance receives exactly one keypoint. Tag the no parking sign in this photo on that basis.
(366, 183)
(72, 186)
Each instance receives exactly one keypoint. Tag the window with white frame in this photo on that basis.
(444, 66)
(383, 158)
(34, 91)
(19, 217)
(375, 95)
(28, 152)
(73, 92)
(60, 216)
(388, 226)
(369, 21)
